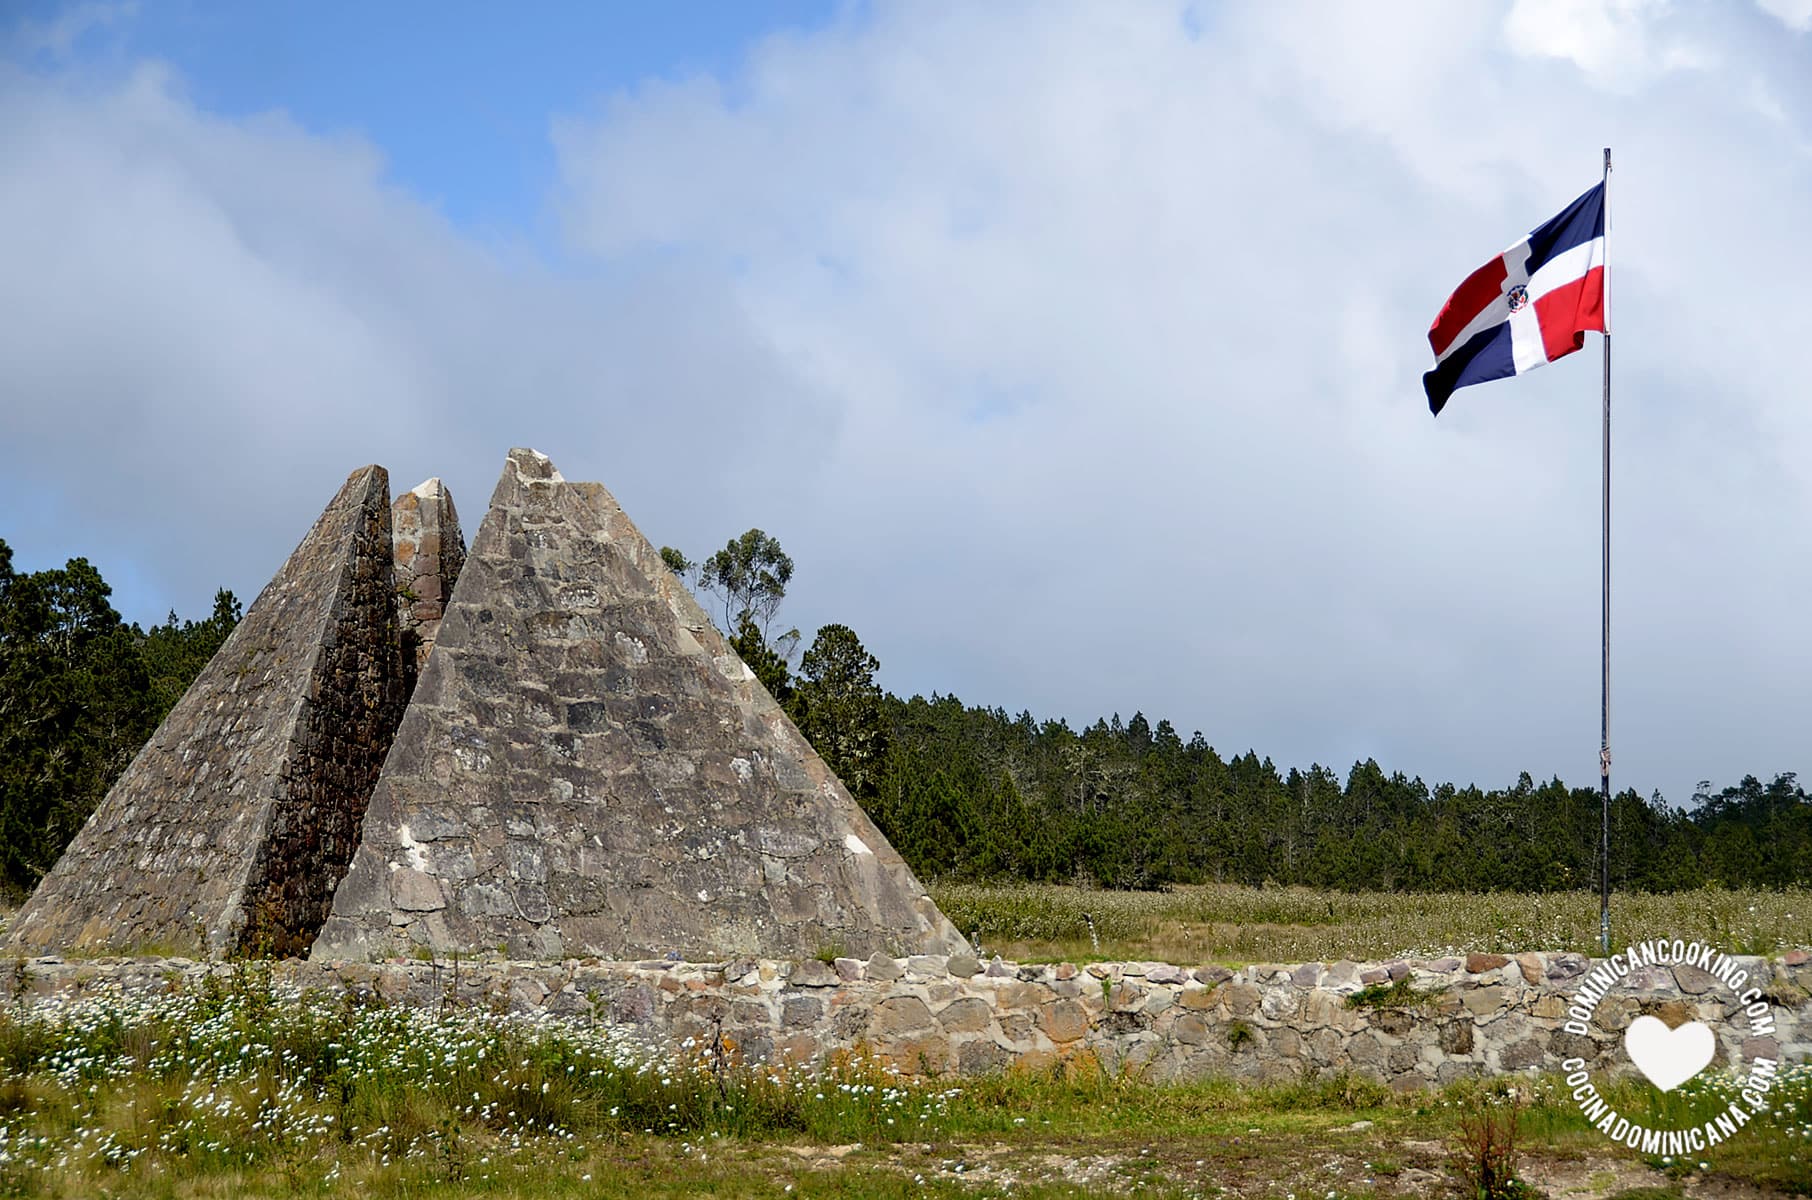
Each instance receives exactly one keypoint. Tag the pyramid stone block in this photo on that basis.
(231, 827)
(430, 549)
(588, 769)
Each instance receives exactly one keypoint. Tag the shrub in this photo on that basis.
(1483, 1148)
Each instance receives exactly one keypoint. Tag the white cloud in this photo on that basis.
(1072, 351)
(1794, 14)
(212, 321)
(1619, 44)
(1199, 270)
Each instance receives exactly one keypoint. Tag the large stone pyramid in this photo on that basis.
(588, 769)
(231, 827)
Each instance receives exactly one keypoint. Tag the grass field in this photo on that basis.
(239, 1090)
(1236, 925)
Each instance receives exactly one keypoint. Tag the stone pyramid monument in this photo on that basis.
(587, 768)
(231, 827)
(584, 767)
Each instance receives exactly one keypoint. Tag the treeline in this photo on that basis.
(976, 793)
(962, 792)
(80, 692)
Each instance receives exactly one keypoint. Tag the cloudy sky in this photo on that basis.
(1072, 350)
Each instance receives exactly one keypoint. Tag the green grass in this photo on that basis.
(236, 1089)
(1235, 925)
(1399, 993)
(240, 1089)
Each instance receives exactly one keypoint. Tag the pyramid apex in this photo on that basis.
(531, 464)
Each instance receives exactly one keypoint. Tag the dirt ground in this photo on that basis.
(1272, 1166)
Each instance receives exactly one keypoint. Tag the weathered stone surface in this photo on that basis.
(1562, 967)
(814, 974)
(1551, 1006)
(1481, 1002)
(1343, 974)
(429, 549)
(899, 1015)
(1063, 1021)
(968, 1015)
(980, 1057)
(978, 1025)
(1692, 980)
(1521, 1055)
(1126, 997)
(587, 769)
(799, 1011)
(233, 824)
(1191, 1029)
(1280, 1004)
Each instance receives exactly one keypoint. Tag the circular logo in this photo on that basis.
(1668, 1053)
(1519, 298)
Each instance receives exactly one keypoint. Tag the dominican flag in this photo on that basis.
(1525, 308)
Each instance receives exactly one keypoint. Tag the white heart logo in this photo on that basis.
(1669, 1057)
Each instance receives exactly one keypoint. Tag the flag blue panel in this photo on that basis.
(1486, 355)
(1577, 224)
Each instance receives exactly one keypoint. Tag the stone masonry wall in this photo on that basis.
(956, 1016)
(430, 550)
(342, 735)
(230, 827)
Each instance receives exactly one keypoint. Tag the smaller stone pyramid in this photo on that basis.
(430, 549)
(231, 827)
(587, 769)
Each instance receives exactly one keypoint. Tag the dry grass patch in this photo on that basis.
(1233, 924)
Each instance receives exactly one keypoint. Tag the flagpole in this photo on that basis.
(1604, 707)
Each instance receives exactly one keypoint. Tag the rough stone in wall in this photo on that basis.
(233, 824)
(588, 769)
(1479, 1015)
(430, 549)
